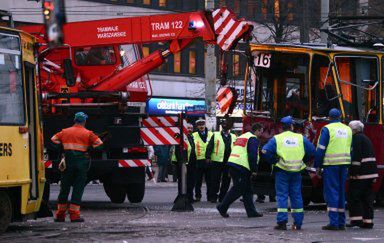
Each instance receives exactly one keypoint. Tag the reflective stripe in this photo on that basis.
(55, 140)
(340, 210)
(336, 155)
(368, 221)
(282, 210)
(372, 159)
(235, 155)
(297, 210)
(361, 177)
(98, 142)
(356, 218)
(74, 207)
(356, 163)
(62, 206)
(321, 147)
(73, 146)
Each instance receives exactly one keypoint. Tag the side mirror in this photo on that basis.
(68, 73)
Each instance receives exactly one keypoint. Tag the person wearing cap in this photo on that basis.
(292, 150)
(75, 141)
(243, 164)
(201, 139)
(362, 173)
(333, 154)
(218, 150)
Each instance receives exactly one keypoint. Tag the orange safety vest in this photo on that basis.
(76, 138)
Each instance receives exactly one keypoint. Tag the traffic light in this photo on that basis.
(54, 19)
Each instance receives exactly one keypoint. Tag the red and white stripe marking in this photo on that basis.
(162, 130)
(48, 164)
(134, 163)
(160, 135)
(228, 28)
(160, 121)
(225, 99)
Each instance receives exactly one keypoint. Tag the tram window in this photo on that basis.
(11, 90)
(324, 94)
(282, 89)
(357, 77)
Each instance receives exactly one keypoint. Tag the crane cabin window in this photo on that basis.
(11, 81)
(282, 83)
(359, 86)
(95, 56)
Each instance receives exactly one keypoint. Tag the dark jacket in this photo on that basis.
(192, 157)
(363, 164)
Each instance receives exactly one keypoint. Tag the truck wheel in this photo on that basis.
(135, 192)
(115, 192)
(5, 211)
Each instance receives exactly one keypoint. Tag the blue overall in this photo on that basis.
(288, 184)
(334, 179)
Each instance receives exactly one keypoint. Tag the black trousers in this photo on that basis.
(202, 171)
(220, 180)
(191, 171)
(241, 187)
(360, 201)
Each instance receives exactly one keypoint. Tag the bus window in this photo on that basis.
(324, 94)
(11, 89)
(358, 76)
(282, 89)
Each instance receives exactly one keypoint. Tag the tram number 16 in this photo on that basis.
(263, 60)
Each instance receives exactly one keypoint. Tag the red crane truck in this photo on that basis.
(99, 71)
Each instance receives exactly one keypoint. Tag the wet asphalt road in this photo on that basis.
(153, 221)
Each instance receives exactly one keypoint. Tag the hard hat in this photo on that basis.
(287, 120)
(334, 113)
(80, 117)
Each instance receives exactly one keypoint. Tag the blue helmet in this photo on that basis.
(80, 117)
(334, 113)
(287, 120)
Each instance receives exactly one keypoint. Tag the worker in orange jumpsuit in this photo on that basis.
(76, 141)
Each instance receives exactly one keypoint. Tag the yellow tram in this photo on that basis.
(21, 169)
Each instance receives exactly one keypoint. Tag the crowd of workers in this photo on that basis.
(342, 151)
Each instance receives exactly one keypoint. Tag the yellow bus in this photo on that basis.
(21, 169)
(305, 82)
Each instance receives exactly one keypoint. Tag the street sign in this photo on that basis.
(195, 110)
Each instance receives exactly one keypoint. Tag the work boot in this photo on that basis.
(61, 212)
(296, 227)
(330, 227)
(355, 223)
(222, 213)
(255, 215)
(74, 213)
(281, 226)
(366, 226)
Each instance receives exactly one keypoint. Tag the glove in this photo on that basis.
(62, 165)
(253, 176)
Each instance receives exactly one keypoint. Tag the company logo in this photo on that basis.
(290, 142)
(341, 133)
